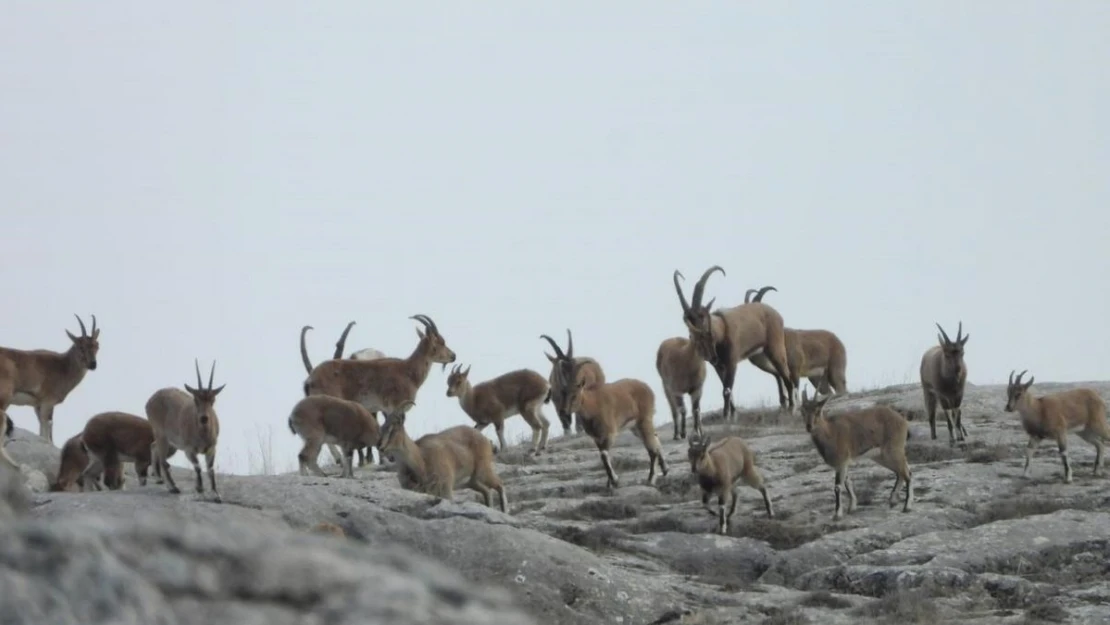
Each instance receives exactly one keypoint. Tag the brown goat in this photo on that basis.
(1052, 416)
(590, 373)
(112, 438)
(43, 379)
(682, 371)
(321, 418)
(728, 336)
(77, 469)
(186, 421)
(718, 467)
(522, 392)
(943, 377)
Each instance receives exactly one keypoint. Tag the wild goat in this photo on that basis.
(728, 336)
(682, 371)
(186, 421)
(368, 353)
(522, 392)
(322, 418)
(77, 469)
(436, 464)
(1052, 416)
(853, 434)
(603, 410)
(719, 466)
(943, 376)
(561, 365)
(112, 438)
(6, 427)
(818, 355)
(384, 383)
(43, 379)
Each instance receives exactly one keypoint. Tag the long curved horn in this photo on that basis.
(200, 383)
(82, 324)
(759, 296)
(944, 334)
(555, 346)
(570, 345)
(678, 288)
(304, 350)
(427, 321)
(1017, 380)
(699, 288)
(341, 344)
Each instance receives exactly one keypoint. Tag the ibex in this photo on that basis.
(943, 376)
(1052, 416)
(718, 467)
(112, 438)
(43, 378)
(369, 353)
(77, 469)
(384, 383)
(436, 464)
(682, 371)
(728, 336)
(818, 355)
(186, 421)
(603, 410)
(590, 373)
(851, 435)
(322, 418)
(522, 392)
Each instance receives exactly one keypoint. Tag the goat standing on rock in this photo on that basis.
(943, 377)
(186, 421)
(522, 392)
(718, 467)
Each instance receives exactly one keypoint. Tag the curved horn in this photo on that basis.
(200, 383)
(467, 372)
(748, 295)
(94, 324)
(678, 288)
(342, 342)
(699, 288)
(1017, 380)
(759, 296)
(304, 350)
(427, 321)
(82, 324)
(944, 334)
(555, 346)
(570, 345)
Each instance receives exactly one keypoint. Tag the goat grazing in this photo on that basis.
(718, 467)
(590, 373)
(853, 434)
(522, 392)
(186, 421)
(1054, 415)
(322, 418)
(943, 376)
(682, 371)
(436, 464)
(603, 410)
(112, 438)
(817, 355)
(728, 336)
(43, 379)
(77, 469)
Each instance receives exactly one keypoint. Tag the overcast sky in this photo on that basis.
(208, 177)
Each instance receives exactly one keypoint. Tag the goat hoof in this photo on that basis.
(217, 499)
(175, 490)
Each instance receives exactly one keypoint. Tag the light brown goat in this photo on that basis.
(522, 392)
(682, 371)
(719, 466)
(320, 419)
(589, 373)
(384, 383)
(603, 410)
(437, 464)
(77, 470)
(112, 438)
(43, 379)
(851, 435)
(1052, 416)
(943, 377)
(186, 421)
(729, 336)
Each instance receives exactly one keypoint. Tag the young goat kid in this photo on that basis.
(522, 392)
(112, 438)
(320, 419)
(850, 435)
(437, 464)
(563, 366)
(719, 466)
(1052, 416)
(943, 376)
(77, 470)
(43, 379)
(186, 421)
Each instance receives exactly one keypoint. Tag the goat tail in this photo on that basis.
(289, 421)
(9, 426)
(547, 398)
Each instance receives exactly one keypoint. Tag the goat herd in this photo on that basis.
(344, 395)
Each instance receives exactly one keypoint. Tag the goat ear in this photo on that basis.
(419, 333)
(71, 337)
(963, 341)
(216, 391)
(192, 391)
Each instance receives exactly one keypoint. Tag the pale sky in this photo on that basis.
(208, 177)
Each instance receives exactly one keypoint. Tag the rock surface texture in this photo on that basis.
(982, 545)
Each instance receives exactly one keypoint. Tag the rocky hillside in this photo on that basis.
(982, 545)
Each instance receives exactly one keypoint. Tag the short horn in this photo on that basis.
(944, 334)
(82, 324)
(341, 344)
(1011, 381)
(759, 296)
(555, 346)
(748, 296)
(678, 288)
(200, 383)
(960, 332)
(212, 375)
(570, 345)
(1017, 380)
(699, 288)
(94, 323)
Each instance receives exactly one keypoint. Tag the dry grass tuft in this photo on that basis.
(785, 616)
(989, 454)
(778, 532)
(825, 599)
(597, 538)
(1046, 613)
(927, 452)
(599, 510)
(903, 606)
